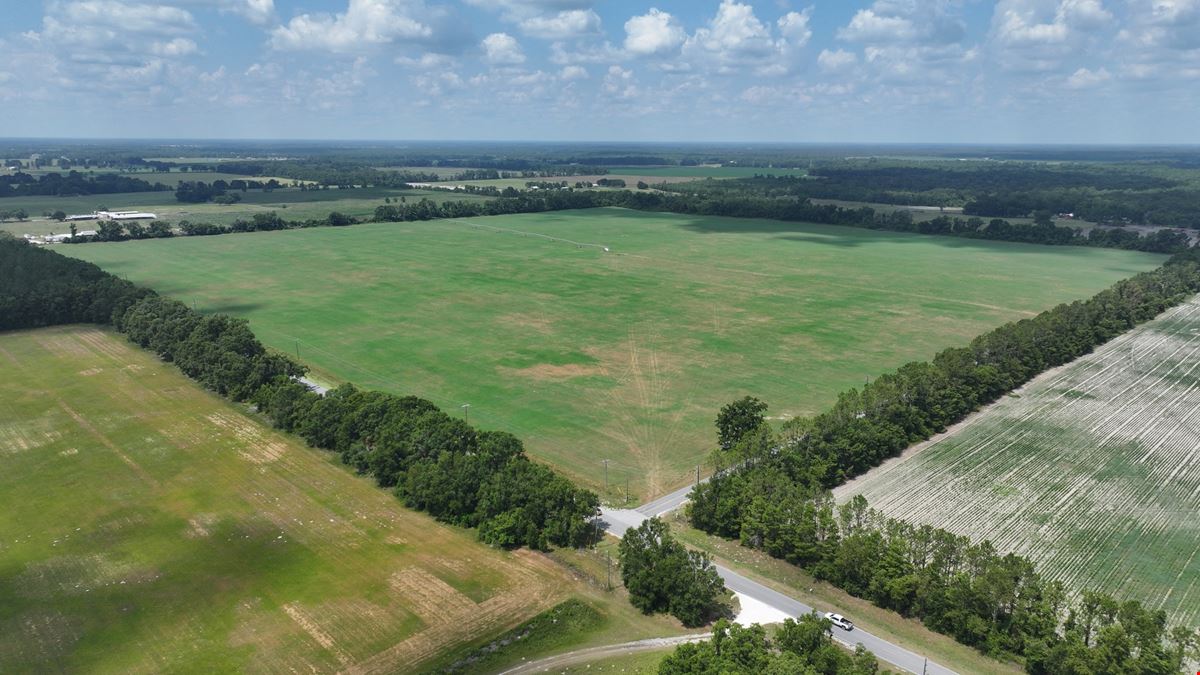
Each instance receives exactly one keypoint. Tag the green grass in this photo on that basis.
(640, 663)
(152, 527)
(705, 171)
(554, 630)
(626, 355)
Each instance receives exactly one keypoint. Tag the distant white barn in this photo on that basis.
(114, 215)
(125, 215)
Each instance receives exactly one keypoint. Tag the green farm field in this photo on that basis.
(625, 355)
(150, 526)
(1092, 471)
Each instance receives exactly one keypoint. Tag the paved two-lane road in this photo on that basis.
(617, 521)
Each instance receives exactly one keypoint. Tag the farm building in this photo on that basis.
(114, 215)
(59, 238)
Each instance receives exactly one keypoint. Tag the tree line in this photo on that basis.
(802, 646)
(732, 205)
(198, 192)
(440, 464)
(1102, 195)
(1174, 207)
(998, 604)
(433, 462)
(21, 184)
(951, 185)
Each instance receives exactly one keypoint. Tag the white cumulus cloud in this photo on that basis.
(836, 61)
(795, 27)
(1038, 35)
(255, 11)
(364, 24)
(867, 26)
(1086, 79)
(502, 49)
(563, 25)
(175, 47)
(653, 33)
(573, 73)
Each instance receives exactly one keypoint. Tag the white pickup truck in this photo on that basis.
(839, 621)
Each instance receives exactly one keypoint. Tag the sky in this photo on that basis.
(903, 71)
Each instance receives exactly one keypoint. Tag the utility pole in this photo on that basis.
(925, 667)
(605, 475)
(697, 474)
(466, 412)
(608, 570)
(626, 489)
(297, 348)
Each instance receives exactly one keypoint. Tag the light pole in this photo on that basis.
(466, 412)
(605, 475)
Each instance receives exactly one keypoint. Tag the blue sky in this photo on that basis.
(1015, 71)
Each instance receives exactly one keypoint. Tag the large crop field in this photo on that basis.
(623, 355)
(1093, 471)
(149, 526)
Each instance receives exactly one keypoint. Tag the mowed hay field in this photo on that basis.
(1093, 471)
(152, 527)
(625, 355)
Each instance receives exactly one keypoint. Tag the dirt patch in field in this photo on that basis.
(100, 342)
(201, 524)
(38, 637)
(256, 447)
(76, 575)
(550, 372)
(65, 344)
(27, 435)
(431, 599)
(314, 630)
(539, 324)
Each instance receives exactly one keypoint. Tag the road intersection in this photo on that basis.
(617, 521)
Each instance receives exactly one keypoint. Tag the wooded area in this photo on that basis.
(21, 184)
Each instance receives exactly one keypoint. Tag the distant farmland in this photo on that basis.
(1093, 471)
(289, 203)
(706, 171)
(151, 527)
(623, 355)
